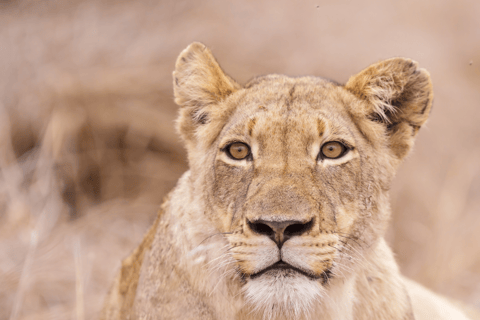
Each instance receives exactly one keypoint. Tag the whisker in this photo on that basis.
(354, 240)
(232, 248)
(220, 256)
(358, 258)
(346, 234)
(224, 275)
(215, 234)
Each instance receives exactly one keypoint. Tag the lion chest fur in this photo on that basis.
(284, 209)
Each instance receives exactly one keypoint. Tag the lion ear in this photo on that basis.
(398, 95)
(199, 83)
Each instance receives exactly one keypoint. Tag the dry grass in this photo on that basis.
(88, 150)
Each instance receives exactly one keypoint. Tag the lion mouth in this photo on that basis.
(283, 268)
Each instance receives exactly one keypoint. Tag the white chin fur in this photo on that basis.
(283, 294)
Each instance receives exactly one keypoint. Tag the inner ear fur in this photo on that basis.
(397, 94)
(199, 84)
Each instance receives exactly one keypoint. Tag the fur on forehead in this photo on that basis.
(276, 96)
(249, 120)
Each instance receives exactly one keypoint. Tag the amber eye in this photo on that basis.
(333, 150)
(238, 150)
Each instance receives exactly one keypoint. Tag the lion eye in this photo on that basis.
(238, 150)
(333, 150)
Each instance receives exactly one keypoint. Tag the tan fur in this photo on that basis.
(206, 256)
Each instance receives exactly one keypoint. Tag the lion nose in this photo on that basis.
(280, 231)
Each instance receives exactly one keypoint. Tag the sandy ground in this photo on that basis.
(88, 148)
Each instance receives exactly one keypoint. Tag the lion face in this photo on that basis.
(284, 200)
(294, 172)
(286, 186)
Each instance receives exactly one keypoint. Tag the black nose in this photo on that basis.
(280, 231)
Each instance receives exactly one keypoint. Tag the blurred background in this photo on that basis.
(88, 147)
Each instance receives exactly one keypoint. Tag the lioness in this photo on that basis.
(283, 212)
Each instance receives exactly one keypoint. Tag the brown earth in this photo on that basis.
(88, 148)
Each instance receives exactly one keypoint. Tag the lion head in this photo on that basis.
(294, 173)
